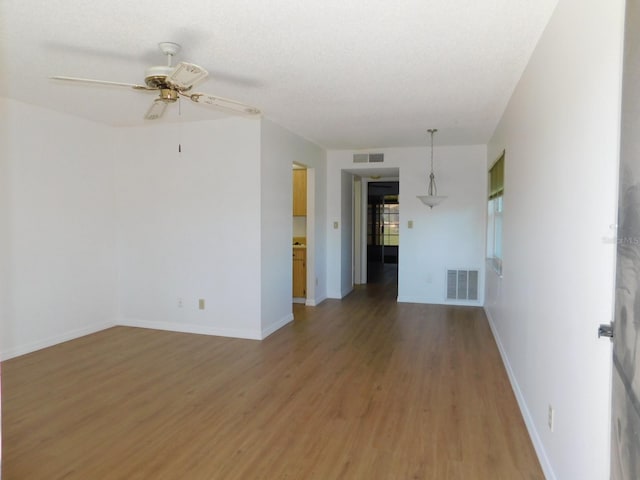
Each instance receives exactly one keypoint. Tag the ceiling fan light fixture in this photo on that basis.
(431, 199)
(168, 95)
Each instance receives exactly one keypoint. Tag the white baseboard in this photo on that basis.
(132, 322)
(191, 328)
(314, 302)
(347, 291)
(456, 303)
(526, 414)
(277, 326)
(341, 294)
(405, 299)
(53, 340)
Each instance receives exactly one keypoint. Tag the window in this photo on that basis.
(384, 222)
(494, 213)
(391, 222)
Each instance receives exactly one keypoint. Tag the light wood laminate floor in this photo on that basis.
(362, 388)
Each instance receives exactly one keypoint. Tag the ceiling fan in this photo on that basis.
(173, 82)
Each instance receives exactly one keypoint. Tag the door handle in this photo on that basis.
(606, 330)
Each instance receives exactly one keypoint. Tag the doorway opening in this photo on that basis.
(303, 227)
(383, 232)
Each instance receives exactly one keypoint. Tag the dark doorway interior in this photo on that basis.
(383, 232)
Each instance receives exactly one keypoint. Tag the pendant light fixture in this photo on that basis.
(431, 198)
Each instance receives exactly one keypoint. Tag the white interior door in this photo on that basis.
(625, 451)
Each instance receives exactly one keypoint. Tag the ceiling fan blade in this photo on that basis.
(186, 75)
(101, 82)
(156, 109)
(225, 104)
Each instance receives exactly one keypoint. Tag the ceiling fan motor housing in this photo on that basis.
(156, 77)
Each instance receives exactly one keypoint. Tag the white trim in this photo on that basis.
(277, 326)
(191, 328)
(526, 414)
(406, 299)
(340, 295)
(455, 303)
(313, 302)
(133, 322)
(54, 340)
(347, 290)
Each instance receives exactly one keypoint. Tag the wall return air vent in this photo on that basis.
(368, 157)
(462, 284)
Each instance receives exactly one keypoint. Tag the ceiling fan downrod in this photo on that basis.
(169, 49)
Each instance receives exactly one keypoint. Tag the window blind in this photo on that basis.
(496, 178)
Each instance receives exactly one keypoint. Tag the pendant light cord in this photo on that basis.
(432, 190)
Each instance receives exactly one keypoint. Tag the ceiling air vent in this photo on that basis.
(368, 157)
(462, 284)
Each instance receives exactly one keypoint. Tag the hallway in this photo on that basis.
(359, 388)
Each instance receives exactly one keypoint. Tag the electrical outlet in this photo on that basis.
(550, 418)
(179, 302)
(335, 225)
(410, 224)
(201, 303)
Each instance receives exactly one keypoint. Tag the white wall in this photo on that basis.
(189, 227)
(316, 231)
(58, 224)
(5, 218)
(560, 131)
(449, 236)
(103, 226)
(279, 150)
(345, 227)
(211, 222)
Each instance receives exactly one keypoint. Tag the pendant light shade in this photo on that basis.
(431, 199)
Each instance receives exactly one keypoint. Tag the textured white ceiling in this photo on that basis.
(342, 73)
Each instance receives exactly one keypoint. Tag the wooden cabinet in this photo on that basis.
(299, 272)
(299, 192)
